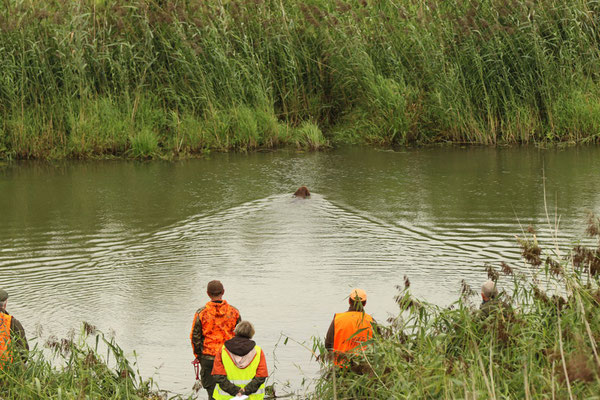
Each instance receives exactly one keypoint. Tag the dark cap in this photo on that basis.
(3, 295)
(215, 288)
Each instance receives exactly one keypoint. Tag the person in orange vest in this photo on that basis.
(241, 366)
(12, 334)
(350, 329)
(213, 325)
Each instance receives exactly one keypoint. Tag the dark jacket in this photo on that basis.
(17, 336)
(240, 346)
(493, 306)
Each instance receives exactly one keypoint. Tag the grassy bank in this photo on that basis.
(147, 78)
(541, 341)
(76, 368)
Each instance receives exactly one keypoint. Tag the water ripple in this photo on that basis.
(277, 245)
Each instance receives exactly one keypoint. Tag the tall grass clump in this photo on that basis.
(75, 76)
(75, 368)
(539, 338)
(309, 136)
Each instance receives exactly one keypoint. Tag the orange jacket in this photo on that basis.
(351, 329)
(5, 321)
(213, 325)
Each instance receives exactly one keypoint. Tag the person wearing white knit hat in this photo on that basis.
(489, 291)
(489, 294)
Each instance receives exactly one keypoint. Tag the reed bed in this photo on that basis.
(152, 78)
(76, 368)
(539, 341)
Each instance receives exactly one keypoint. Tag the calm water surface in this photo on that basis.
(130, 246)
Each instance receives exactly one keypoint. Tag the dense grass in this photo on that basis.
(76, 369)
(540, 341)
(146, 78)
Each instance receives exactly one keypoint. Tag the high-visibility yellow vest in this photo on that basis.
(5, 353)
(240, 377)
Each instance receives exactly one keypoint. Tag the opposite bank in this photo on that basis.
(145, 78)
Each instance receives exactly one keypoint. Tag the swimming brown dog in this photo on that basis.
(302, 192)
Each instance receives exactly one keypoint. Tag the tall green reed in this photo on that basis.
(75, 368)
(365, 71)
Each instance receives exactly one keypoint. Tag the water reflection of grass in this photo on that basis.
(539, 342)
(155, 79)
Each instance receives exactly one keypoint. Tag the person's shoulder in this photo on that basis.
(494, 305)
(200, 310)
(15, 323)
(260, 353)
(234, 308)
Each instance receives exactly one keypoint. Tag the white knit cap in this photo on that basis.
(489, 290)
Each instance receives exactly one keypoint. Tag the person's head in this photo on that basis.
(215, 290)
(302, 192)
(357, 299)
(3, 299)
(489, 290)
(244, 329)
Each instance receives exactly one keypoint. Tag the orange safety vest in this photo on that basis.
(351, 329)
(218, 322)
(5, 321)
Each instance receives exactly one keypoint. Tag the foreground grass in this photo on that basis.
(76, 370)
(541, 342)
(151, 78)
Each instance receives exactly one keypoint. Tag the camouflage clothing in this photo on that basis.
(213, 325)
(491, 307)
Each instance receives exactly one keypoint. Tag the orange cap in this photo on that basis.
(361, 294)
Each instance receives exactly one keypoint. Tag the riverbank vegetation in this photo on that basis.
(75, 368)
(540, 340)
(152, 78)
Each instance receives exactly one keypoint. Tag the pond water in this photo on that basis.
(130, 246)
